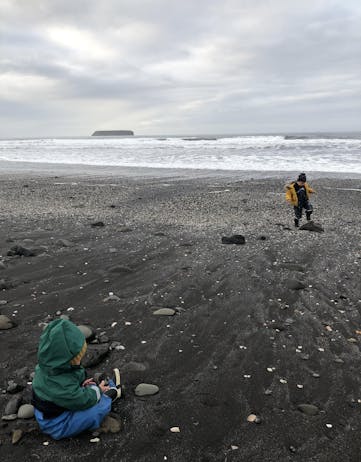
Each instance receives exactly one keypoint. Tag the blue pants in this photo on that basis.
(71, 423)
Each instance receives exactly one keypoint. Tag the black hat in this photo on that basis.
(302, 177)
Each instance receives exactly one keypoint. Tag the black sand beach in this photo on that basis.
(259, 328)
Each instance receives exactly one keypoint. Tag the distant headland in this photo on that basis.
(113, 133)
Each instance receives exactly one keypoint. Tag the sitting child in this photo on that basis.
(66, 403)
(298, 194)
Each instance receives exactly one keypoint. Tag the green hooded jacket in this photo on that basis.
(56, 380)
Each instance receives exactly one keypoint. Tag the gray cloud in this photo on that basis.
(67, 68)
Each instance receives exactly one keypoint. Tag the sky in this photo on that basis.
(68, 68)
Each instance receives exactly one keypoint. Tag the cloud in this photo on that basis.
(179, 67)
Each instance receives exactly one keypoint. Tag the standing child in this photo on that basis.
(298, 194)
(66, 403)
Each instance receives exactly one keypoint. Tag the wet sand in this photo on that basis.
(242, 341)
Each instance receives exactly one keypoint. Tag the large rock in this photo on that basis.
(21, 251)
(146, 389)
(87, 331)
(13, 405)
(312, 226)
(235, 239)
(164, 312)
(5, 322)
(26, 411)
(308, 409)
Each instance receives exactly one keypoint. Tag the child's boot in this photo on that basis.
(308, 216)
(296, 222)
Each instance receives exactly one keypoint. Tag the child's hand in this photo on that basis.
(88, 382)
(103, 387)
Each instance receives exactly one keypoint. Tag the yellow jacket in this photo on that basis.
(291, 195)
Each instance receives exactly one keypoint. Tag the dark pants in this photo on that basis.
(303, 203)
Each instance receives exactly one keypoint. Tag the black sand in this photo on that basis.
(165, 235)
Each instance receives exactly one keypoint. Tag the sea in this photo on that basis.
(331, 152)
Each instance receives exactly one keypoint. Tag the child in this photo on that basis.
(66, 403)
(298, 194)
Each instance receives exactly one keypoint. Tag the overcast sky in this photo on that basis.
(69, 67)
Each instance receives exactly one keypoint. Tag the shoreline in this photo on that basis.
(80, 170)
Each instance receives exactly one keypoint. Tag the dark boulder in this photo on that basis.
(235, 239)
(21, 251)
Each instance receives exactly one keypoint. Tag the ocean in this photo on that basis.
(309, 152)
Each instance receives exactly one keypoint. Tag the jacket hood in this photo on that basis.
(60, 342)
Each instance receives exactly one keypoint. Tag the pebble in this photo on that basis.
(111, 298)
(283, 381)
(5, 322)
(13, 405)
(95, 440)
(308, 409)
(329, 425)
(146, 389)
(87, 331)
(299, 386)
(175, 429)
(164, 312)
(352, 340)
(3, 302)
(234, 447)
(16, 436)
(46, 443)
(26, 411)
(9, 417)
(315, 375)
(65, 317)
(254, 418)
(268, 392)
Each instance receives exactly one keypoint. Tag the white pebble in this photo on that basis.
(299, 385)
(114, 324)
(46, 443)
(329, 425)
(175, 429)
(283, 381)
(95, 440)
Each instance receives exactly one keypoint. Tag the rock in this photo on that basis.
(164, 312)
(95, 440)
(124, 229)
(254, 418)
(120, 269)
(5, 322)
(312, 226)
(21, 251)
(111, 298)
(64, 243)
(9, 417)
(26, 411)
(2, 265)
(133, 366)
(308, 409)
(64, 316)
(14, 387)
(3, 302)
(235, 239)
(95, 355)
(97, 224)
(175, 429)
(159, 234)
(262, 238)
(294, 284)
(13, 405)
(16, 436)
(110, 425)
(146, 389)
(87, 331)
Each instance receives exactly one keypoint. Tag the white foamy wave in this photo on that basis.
(263, 153)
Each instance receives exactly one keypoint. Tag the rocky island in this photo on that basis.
(113, 133)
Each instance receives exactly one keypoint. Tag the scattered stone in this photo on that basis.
(125, 229)
(294, 284)
(110, 425)
(292, 449)
(9, 417)
(312, 226)
(14, 387)
(120, 269)
(64, 243)
(5, 322)
(21, 251)
(164, 312)
(95, 354)
(253, 418)
(111, 298)
(87, 331)
(26, 411)
(13, 405)
(237, 239)
(133, 366)
(46, 443)
(3, 302)
(146, 389)
(95, 440)
(329, 328)
(308, 409)
(16, 436)
(175, 429)
(97, 224)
